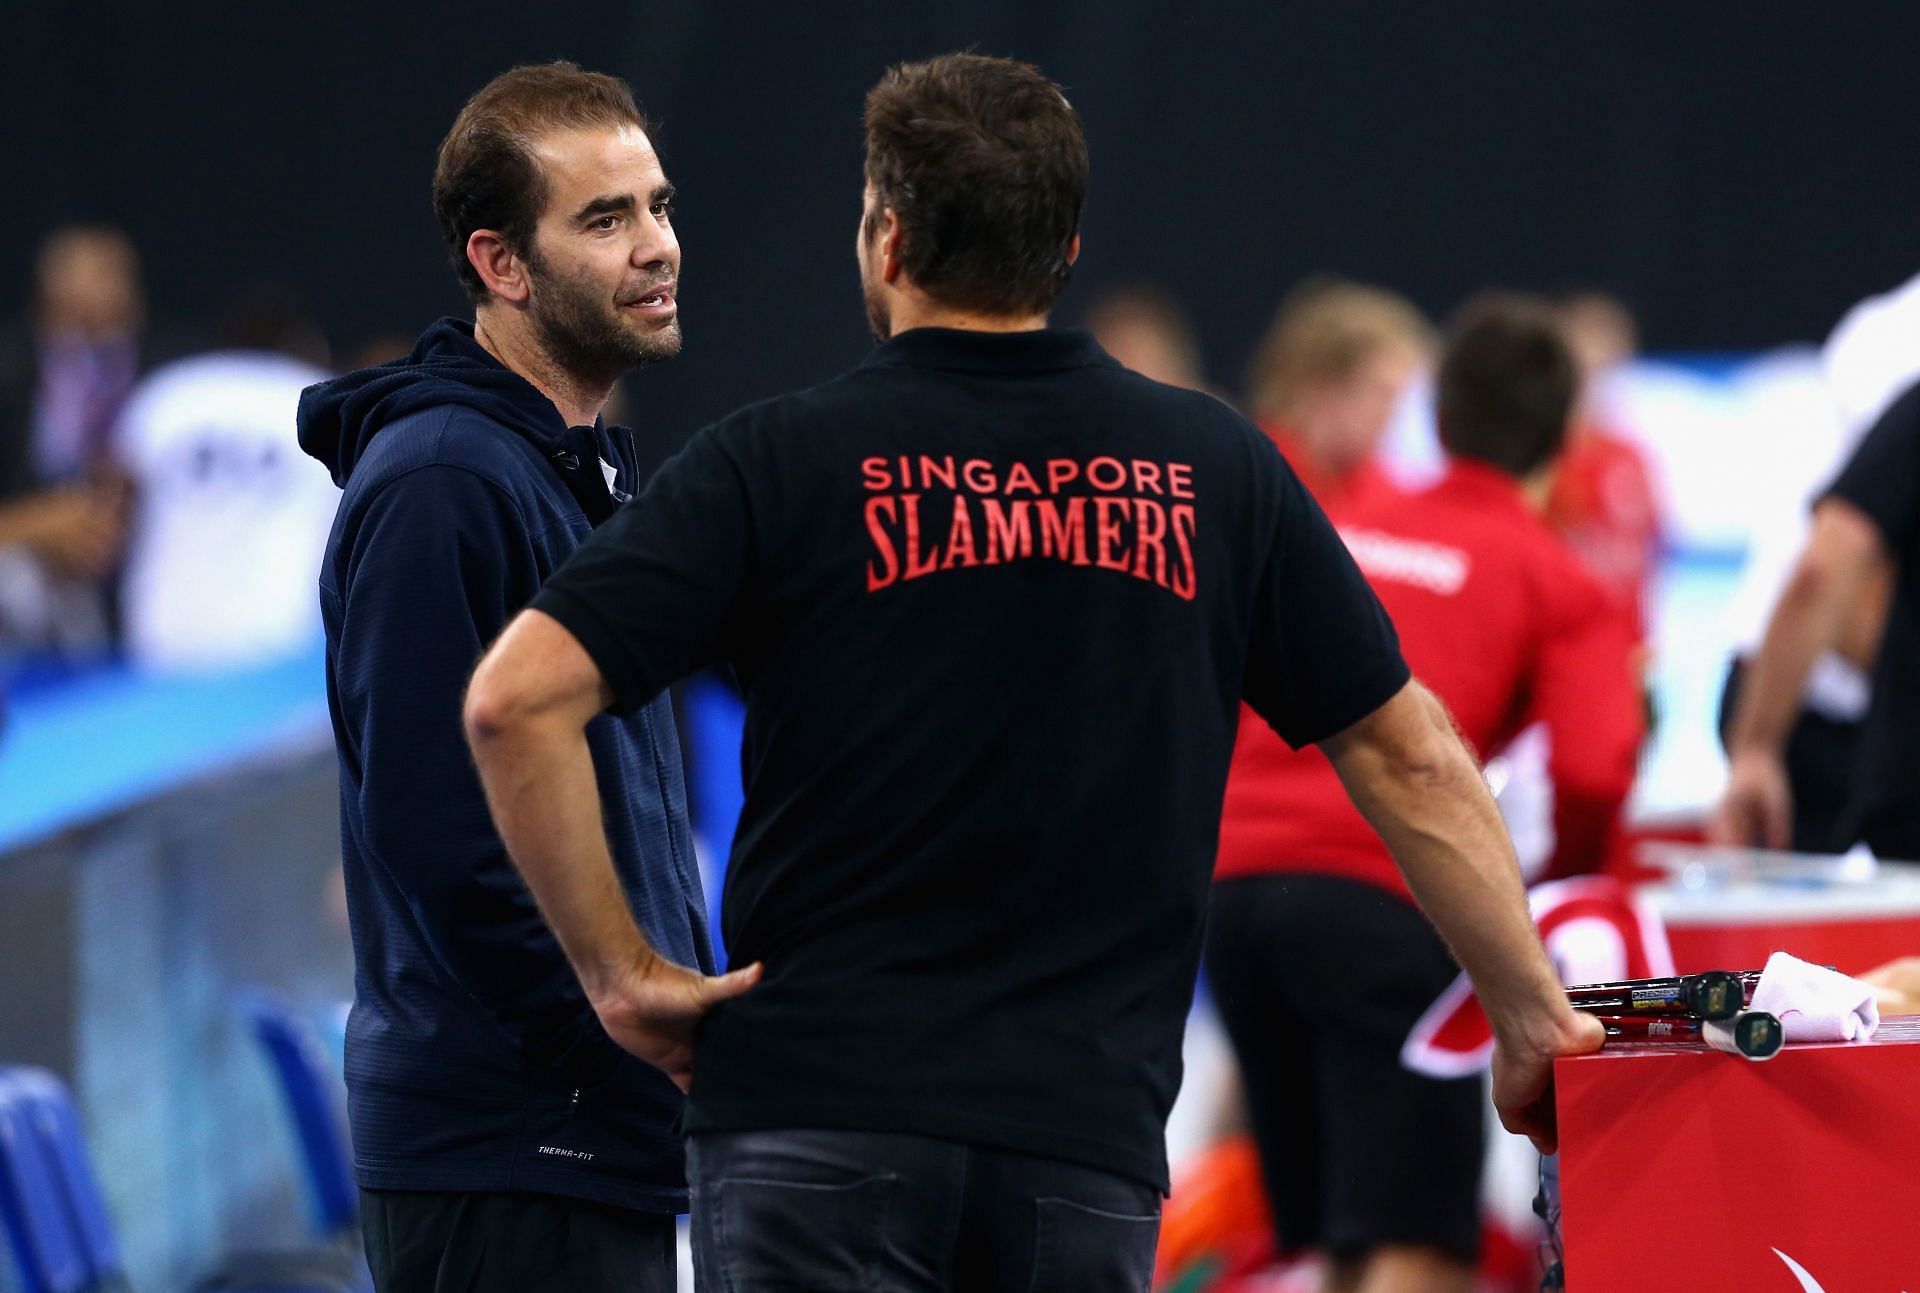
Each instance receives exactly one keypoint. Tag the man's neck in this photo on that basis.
(1537, 485)
(911, 310)
(579, 402)
(52, 327)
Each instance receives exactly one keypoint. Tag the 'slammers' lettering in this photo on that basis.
(926, 514)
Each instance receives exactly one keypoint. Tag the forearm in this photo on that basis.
(1804, 624)
(1424, 795)
(1832, 582)
(539, 779)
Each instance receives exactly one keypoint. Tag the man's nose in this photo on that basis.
(657, 247)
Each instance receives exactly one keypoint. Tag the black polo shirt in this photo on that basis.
(994, 600)
(1882, 479)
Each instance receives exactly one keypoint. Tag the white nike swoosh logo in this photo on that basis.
(1808, 1284)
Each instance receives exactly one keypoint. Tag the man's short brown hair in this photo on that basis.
(1506, 384)
(1326, 330)
(487, 176)
(984, 162)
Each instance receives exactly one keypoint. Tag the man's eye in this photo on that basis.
(661, 210)
(607, 222)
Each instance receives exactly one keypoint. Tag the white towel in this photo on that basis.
(1815, 1004)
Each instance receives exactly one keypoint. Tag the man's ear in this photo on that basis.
(1073, 249)
(502, 269)
(891, 236)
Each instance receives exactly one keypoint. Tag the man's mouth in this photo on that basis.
(656, 302)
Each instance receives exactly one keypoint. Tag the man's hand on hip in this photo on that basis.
(653, 1008)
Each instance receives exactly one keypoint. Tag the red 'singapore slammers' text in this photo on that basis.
(926, 514)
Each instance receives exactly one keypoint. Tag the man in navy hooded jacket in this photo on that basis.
(501, 1139)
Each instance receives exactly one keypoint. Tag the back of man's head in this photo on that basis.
(487, 176)
(1506, 383)
(984, 162)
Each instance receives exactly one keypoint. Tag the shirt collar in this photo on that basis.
(967, 350)
(1483, 482)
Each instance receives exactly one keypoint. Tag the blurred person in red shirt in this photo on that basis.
(1604, 500)
(1326, 379)
(1319, 960)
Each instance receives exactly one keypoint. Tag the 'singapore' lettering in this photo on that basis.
(926, 514)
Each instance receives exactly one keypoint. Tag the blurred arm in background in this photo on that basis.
(74, 529)
(1845, 565)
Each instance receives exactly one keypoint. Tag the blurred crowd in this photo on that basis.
(153, 504)
(1343, 364)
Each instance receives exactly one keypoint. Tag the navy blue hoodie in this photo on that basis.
(473, 1060)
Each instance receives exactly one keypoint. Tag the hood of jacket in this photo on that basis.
(339, 418)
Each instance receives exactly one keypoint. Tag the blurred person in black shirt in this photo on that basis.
(1865, 535)
(994, 601)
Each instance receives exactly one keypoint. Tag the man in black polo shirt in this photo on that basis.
(995, 601)
(1865, 528)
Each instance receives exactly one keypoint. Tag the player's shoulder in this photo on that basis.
(1201, 411)
(447, 448)
(1518, 537)
(1559, 581)
(780, 413)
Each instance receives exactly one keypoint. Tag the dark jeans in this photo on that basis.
(429, 1241)
(882, 1213)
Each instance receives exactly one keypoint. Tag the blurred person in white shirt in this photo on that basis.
(231, 517)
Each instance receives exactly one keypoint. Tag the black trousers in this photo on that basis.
(832, 1211)
(1318, 980)
(426, 1241)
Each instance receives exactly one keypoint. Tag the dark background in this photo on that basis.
(1739, 174)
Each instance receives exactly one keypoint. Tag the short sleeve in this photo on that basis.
(1882, 478)
(653, 594)
(1323, 653)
